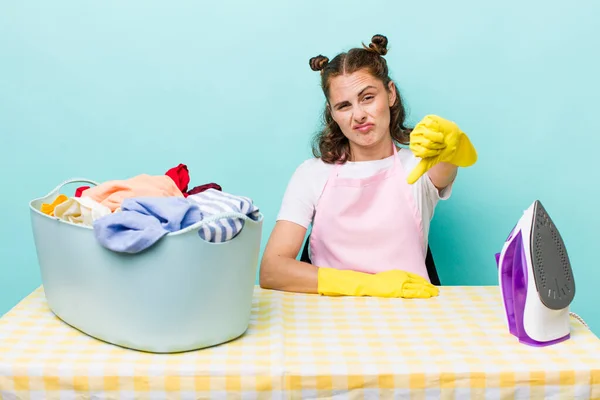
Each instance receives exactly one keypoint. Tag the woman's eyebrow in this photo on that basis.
(359, 93)
(368, 87)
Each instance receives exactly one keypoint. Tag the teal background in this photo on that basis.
(225, 88)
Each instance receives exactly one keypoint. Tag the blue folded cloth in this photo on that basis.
(143, 221)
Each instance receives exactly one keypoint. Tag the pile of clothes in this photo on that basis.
(130, 215)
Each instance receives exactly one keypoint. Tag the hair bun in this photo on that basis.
(318, 63)
(379, 44)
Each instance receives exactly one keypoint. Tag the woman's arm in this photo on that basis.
(279, 269)
(442, 175)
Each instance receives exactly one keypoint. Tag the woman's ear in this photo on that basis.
(329, 111)
(392, 93)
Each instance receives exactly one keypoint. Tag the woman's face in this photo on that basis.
(360, 105)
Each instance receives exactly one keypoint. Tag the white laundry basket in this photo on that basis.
(181, 294)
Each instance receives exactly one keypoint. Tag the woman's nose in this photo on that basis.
(359, 114)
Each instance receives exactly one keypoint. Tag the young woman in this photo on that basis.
(369, 202)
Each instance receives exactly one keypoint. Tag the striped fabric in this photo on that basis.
(214, 203)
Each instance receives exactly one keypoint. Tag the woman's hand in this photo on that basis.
(393, 283)
(436, 140)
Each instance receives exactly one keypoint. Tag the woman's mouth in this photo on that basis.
(364, 128)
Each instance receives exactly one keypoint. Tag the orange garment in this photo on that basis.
(49, 208)
(112, 193)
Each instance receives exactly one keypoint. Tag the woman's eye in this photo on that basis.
(369, 97)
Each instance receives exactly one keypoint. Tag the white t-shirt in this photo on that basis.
(306, 185)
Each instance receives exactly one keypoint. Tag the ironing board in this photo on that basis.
(308, 346)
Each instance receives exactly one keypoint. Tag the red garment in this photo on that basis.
(80, 190)
(181, 176)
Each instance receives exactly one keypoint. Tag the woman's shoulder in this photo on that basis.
(303, 191)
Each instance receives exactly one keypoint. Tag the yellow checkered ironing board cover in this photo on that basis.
(307, 346)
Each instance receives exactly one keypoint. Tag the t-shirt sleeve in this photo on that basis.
(433, 192)
(426, 194)
(299, 199)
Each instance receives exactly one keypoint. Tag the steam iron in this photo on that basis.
(536, 280)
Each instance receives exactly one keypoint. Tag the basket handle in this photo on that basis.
(68, 181)
(213, 218)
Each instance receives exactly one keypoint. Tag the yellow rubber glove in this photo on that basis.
(435, 140)
(394, 283)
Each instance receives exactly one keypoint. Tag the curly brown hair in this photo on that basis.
(330, 144)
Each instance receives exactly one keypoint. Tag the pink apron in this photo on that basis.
(369, 225)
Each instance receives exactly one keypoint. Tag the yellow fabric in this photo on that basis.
(296, 344)
(49, 208)
(436, 140)
(308, 346)
(394, 283)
